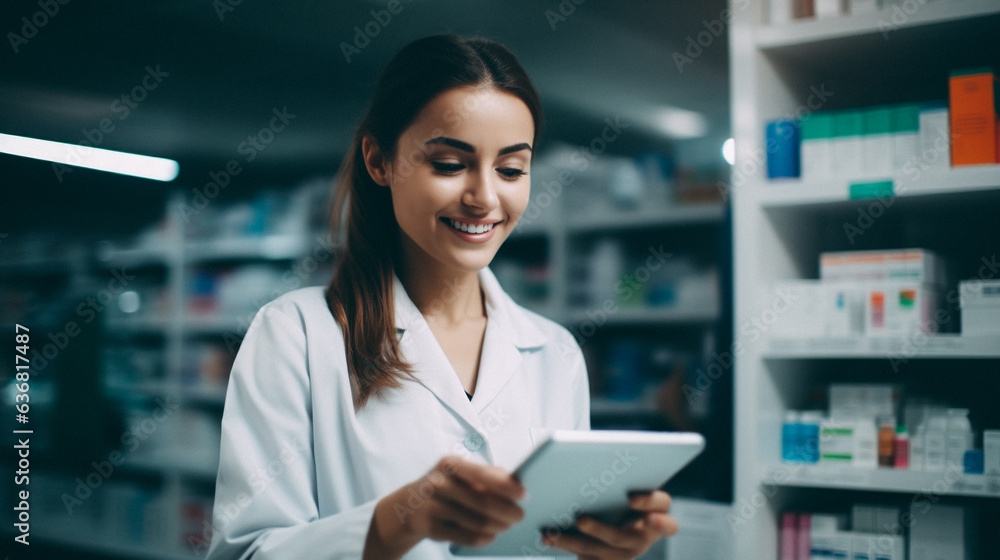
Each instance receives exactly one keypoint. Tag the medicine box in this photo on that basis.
(942, 532)
(902, 308)
(972, 106)
(863, 400)
(813, 308)
(911, 265)
(980, 304)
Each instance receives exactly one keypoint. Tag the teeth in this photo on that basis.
(469, 228)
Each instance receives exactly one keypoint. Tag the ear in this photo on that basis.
(374, 161)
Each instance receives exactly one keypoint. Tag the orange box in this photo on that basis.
(973, 117)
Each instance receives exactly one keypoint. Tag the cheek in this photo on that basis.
(518, 198)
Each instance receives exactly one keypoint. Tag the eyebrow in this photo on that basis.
(466, 147)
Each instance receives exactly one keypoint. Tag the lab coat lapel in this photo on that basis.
(431, 367)
(508, 333)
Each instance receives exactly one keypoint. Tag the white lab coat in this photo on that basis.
(300, 472)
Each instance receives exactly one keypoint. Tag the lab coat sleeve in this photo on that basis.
(580, 388)
(265, 498)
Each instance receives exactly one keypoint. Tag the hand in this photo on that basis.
(602, 541)
(458, 501)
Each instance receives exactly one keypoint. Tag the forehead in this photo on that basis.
(478, 115)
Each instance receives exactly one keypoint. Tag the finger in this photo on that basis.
(662, 524)
(468, 519)
(444, 530)
(483, 478)
(491, 505)
(586, 546)
(624, 538)
(657, 500)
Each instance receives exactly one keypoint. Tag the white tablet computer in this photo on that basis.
(586, 472)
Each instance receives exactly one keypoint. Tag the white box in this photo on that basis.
(836, 442)
(867, 400)
(935, 138)
(911, 265)
(780, 12)
(863, 518)
(941, 532)
(863, 6)
(814, 309)
(902, 308)
(830, 8)
(980, 304)
(877, 546)
(991, 452)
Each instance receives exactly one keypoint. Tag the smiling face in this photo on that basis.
(459, 178)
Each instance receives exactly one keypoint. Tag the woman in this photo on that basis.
(346, 431)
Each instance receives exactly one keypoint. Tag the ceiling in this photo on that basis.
(226, 64)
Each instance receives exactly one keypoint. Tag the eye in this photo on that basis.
(510, 172)
(447, 168)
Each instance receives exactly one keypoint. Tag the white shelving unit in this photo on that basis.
(564, 232)
(778, 234)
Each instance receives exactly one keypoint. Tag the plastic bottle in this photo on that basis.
(809, 435)
(901, 448)
(886, 435)
(917, 448)
(935, 440)
(790, 440)
(959, 436)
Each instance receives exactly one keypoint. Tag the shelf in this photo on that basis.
(176, 462)
(136, 257)
(37, 267)
(809, 31)
(885, 480)
(143, 325)
(648, 316)
(600, 406)
(679, 215)
(917, 346)
(204, 395)
(214, 324)
(270, 247)
(934, 182)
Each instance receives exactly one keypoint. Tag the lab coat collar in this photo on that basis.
(517, 324)
(509, 331)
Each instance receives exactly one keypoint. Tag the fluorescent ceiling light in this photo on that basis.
(147, 167)
(729, 151)
(680, 123)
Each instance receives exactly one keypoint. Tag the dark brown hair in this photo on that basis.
(360, 294)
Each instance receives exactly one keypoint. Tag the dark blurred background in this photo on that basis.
(137, 292)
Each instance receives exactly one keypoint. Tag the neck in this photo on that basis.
(441, 293)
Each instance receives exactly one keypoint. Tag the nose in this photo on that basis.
(481, 192)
